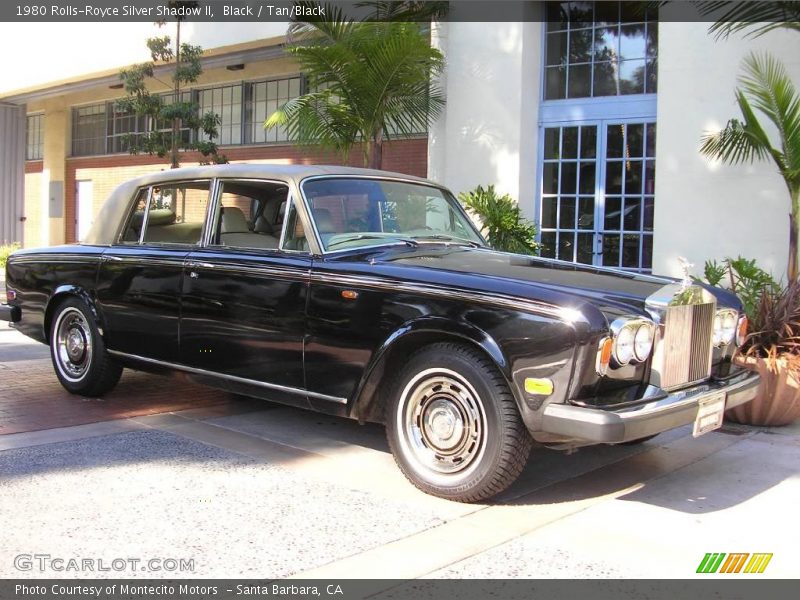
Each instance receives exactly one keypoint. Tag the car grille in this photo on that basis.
(686, 344)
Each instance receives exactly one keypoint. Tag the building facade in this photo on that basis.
(590, 115)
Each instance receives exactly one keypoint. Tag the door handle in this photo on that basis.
(193, 274)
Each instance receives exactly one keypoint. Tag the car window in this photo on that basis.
(245, 214)
(174, 214)
(356, 212)
(295, 238)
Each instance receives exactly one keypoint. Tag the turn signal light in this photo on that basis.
(604, 354)
(741, 330)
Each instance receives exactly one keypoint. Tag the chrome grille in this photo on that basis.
(686, 344)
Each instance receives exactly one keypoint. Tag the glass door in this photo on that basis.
(597, 193)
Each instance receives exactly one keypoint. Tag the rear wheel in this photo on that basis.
(78, 353)
(453, 425)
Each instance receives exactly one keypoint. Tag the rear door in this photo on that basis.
(244, 297)
(139, 283)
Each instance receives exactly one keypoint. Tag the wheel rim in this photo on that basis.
(73, 340)
(443, 425)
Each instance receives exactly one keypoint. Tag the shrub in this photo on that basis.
(744, 277)
(503, 224)
(775, 327)
(5, 250)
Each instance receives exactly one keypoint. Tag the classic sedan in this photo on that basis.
(372, 295)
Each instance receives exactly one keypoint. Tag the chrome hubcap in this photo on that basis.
(443, 422)
(73, 341)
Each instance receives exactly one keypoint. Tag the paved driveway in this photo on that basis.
(250, 489)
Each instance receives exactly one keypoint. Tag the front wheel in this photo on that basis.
(78, 353)
(453, 425)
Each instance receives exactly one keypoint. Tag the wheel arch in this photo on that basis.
(367, 404)
(59, 295)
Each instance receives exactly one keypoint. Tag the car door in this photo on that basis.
(244, 298)
(139, 281)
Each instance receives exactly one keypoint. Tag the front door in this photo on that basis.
(598, 193)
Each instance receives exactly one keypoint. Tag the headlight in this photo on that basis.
(623, 346)
(633, 340)
(643, 342)
(725, 326)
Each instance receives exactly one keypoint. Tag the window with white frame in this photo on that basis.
(34, 146)
(264, 98)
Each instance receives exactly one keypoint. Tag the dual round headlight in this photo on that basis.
(725, 326)
(633, 341)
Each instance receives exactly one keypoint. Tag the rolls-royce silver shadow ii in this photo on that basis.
(372, 295)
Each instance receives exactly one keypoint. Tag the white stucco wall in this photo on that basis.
(705, 209)
(488, 132)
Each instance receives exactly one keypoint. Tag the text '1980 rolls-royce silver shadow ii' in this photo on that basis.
(372, 295)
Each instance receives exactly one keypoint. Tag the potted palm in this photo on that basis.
(773, 349)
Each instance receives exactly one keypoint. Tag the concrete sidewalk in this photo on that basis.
(279, 492)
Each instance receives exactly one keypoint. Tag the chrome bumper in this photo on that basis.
(12, 314)
(666, 412)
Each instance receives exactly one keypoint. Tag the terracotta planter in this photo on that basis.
(778, 399)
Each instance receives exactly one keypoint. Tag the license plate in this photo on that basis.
(709, 414)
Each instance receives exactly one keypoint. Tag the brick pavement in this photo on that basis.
(32, 399)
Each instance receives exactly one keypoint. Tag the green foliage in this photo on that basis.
(745, 278)
(5, 251)
(775, 327)
(504, 226)
(369, 81)
(166, 120)
(765, 88)
(754, 18)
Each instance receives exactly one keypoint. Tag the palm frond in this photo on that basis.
(753, 17)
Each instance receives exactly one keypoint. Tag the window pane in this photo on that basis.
(651, 42)
(177, 214)
(651, 139)
(615, 141)
(580, 46)
(569, 176)
(635, 141)
(587, 178)
(585, 249)
(652, 76)
(566, 218)
(611, 250)
(569, 148)
(632, 42)
(551, 142)
(586, 213)
(613, 212)
(550, 178)
(630, 250)
(566, 246)
(650, 177)
(605, 79)
(633, 214)
(649, 211)
(606, 13)
(647, 252)
(549, 207)
(606, 44)
(580, 81)
(548, 241)
(588, 141)
(633, 177)
(556, 48)
(614, 177)
(556, 83)
(631, 77)
(581, 14)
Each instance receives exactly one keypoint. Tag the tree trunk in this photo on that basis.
(794, 223)
(375, 152)
(176, 123)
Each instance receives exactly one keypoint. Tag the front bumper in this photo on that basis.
(12, 314)
(649, 418)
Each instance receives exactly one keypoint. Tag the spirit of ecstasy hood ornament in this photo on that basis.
(686, 267)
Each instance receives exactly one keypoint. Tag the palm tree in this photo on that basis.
(753, 17)
(766, 88)
(368, 82)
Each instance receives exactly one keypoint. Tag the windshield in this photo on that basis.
(363, 212)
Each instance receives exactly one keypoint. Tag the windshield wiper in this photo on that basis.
(448, 238)
(372, 236)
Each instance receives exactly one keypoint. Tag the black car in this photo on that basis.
(373, 296)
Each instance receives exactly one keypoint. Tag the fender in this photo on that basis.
(78, 291)
(414, 334)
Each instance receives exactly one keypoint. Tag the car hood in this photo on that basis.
(610, 290)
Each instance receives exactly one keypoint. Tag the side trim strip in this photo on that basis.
(270, 386)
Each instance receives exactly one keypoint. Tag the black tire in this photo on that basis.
(78, 353)
(453, 425)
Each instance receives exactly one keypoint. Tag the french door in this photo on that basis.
(597, 193)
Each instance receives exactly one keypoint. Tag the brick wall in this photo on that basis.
(107, 172)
